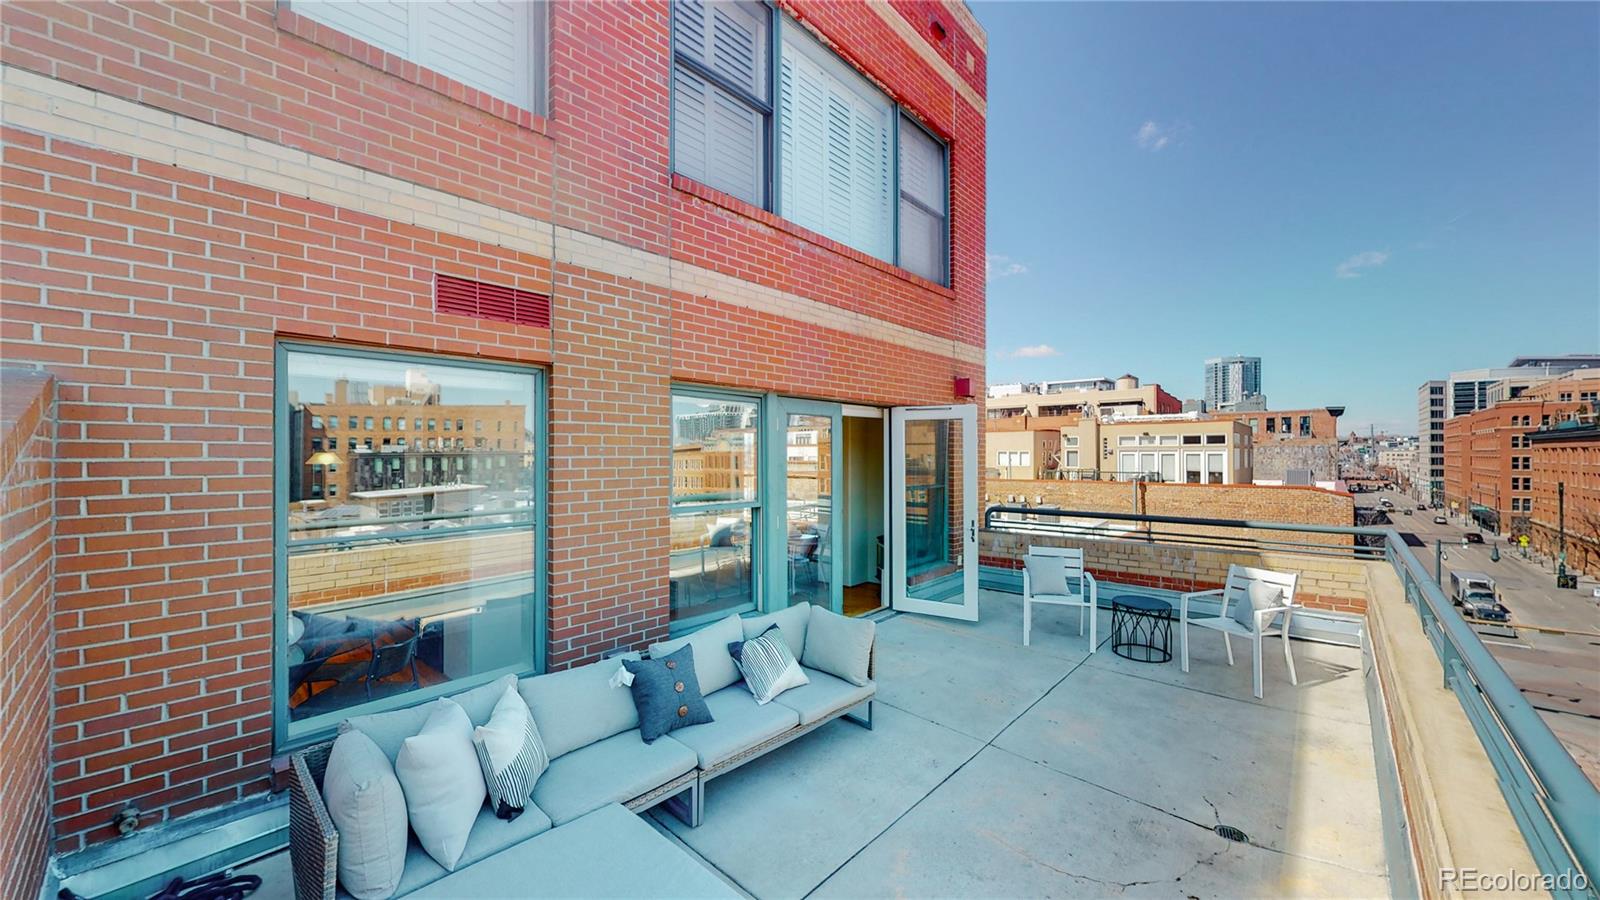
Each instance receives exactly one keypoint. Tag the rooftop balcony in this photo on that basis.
(1403, 757)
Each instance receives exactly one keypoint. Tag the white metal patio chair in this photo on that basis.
(1062, 570)
(1237, 589)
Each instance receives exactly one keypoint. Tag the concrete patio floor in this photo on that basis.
(997, 770)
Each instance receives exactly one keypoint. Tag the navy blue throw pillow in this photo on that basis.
(667, 693)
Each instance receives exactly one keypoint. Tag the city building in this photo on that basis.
(1291, 442)
(1473, 389)
(510, 351)
(1175, 447)
(1233, 382)
(1124, 396)
(1429, 481)
(1027, 452)
(1566, 492)
(1489, 470)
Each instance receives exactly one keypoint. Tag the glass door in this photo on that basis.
(933, 486)
(803, 540)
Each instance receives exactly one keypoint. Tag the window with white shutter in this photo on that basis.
(720, 95)
(834, 144)
(496, 46)
(923, 202)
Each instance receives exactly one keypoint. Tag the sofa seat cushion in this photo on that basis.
(740, 724)
(489, 836)
(824, 695)
(608, 853)
(614, 770)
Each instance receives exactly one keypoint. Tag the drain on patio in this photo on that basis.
(1231, 833)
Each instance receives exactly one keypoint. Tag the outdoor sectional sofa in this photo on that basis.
(600, 773)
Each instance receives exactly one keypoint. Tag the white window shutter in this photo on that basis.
(486, 44)
(385, 24)
(716, 139)
(835, 144)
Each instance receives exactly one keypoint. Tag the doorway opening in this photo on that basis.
(864, 525)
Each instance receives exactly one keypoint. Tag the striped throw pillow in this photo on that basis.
(511, 754)
(768, 665)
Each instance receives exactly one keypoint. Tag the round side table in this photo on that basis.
(1141, 628)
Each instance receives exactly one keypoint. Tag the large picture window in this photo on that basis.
(849, 165)
(406, 569)
(716, 506)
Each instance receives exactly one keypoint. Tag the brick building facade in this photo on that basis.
(1566, 495)
(187, 187)
(1489, 466)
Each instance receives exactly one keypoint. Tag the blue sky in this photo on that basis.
(1364, 195)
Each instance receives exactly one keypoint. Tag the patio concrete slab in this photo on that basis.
(780, 825)
(961, 680)
(1301, 784)
(1331, 680)
(1005, 827)
(1055, 628)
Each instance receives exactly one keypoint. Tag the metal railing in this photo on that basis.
(1553, 802)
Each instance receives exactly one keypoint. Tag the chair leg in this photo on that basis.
(1080, 619)
(1288, 659)
(1255, 655)
(1228, 644)
(856, 717)
(1094, 628)
(1183, 643)
(1027, 620)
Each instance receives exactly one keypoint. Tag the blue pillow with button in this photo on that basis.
(667, 693)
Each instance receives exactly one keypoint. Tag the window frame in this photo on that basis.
(756, 504)
(772, 160)
(282, 740)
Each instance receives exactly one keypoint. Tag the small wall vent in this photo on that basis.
(479, 300)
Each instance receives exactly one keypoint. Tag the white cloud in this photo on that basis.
(1154, 136)
(1034, 351)
(996, 267)
(1369, 259)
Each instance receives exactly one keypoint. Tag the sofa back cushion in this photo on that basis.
(715, 668)
(576, 707)
(366, 804)
(840, 645)
(791, 624)
(389, 730)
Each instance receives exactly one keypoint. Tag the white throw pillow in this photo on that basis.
(444, 787)
(839, 645)
(768, 665)
(511, 753)
(366, 805)
(1047, 575)
(1259, 595)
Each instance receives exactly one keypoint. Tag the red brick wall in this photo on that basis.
(154, 290)
(27, 491)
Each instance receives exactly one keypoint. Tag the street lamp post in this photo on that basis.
(1561, 531)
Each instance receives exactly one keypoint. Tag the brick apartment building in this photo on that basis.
(1289, 440)
(1566, 495)
(623, 237)
(1490, 470)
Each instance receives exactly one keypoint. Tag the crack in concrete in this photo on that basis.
(1079, 876)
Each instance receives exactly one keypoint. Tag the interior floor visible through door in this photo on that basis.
(860, 599)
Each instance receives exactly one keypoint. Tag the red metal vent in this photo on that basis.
(465, 297)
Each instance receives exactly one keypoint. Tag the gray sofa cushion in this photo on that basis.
(366, 805)
(390, 729)
(666, 693)
(740, 724)
(839, 645)
(825, 694)
(489, 836)
(791, 624)
(608, 853)
(711, 660)
(614, 770)
(577, 707)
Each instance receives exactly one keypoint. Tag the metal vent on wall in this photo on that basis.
(465, 297)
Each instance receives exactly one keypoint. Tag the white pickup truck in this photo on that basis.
(1474, 592)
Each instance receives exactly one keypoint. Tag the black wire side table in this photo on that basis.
(1141, 628)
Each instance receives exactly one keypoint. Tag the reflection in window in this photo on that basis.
(404, 575)
(715, 449)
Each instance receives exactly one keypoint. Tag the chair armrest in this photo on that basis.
(1214, 592)
(1094, 588)
(1027, 586)
(313, 841)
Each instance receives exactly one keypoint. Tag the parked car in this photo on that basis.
(1409, 511)
(1440, 520)
(1472, 537)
